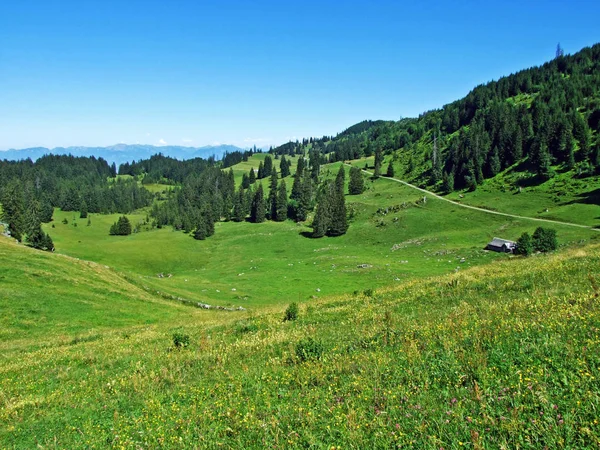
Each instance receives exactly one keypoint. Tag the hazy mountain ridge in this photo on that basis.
(121, 153)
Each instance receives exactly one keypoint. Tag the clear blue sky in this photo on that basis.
(91, 72)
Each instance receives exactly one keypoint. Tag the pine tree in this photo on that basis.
(268, 166)
(390, 170)
(356, 184)
(378, 162)
(261, 171)
(494, 162)
(239, 211)
(298, 180)
(245, 181)
(448, 182)
(258, 209)
(304, 201)
(83, 210)
(322, 214)
(252, 177)
(315, 164)
(13, 211)
(281, 203)
(338, 223)
(272, 202)
(284, 167)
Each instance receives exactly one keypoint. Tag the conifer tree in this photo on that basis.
(83, 210)
(378, 162)
(356, 184)
(261, 171)
(13, 211)
(304, 199)
(322, 214)
(281, 203)
(252, 176)
(284, 167)
(268, 166)
(272, 202)
(239, 211)
(448, 182)
(298, 180)
(338, 223)
(246, 181)
(390, 170)
(258, 209)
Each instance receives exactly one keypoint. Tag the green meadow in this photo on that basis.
(394, 236)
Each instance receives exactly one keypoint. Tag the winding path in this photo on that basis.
(515, 216)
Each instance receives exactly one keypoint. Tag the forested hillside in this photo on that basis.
(543, 119)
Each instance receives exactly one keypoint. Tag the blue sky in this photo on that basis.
(256, 72)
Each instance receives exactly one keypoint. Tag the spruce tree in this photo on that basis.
(378, 162)
(83, 210)
(338, 223)
(261, 171)
(322, 214)
(239, 211)
(284, 167)
(258, 209)
(13, 211)
(356, 184)
(246, 181)
(272, 202)
(252, 177)
(304, 200)
(268, 166)
(281, 203)
(298, 180)
(390, 170)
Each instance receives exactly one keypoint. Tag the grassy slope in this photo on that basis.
(50, 300)
(503, 355)
(254, 265)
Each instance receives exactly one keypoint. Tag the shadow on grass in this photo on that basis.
(588, 198)
(307, 234)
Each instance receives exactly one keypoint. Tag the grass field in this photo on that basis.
(504, 355)
(254, 265)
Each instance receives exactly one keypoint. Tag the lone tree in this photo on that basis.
(378, 162)
(121, 227)
(356, 185)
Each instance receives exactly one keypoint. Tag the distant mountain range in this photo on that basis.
(121, 153)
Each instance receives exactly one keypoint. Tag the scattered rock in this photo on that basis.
(364, 266)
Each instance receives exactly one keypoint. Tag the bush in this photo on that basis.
(180, 340)
(544, 240)
(524, 245)
(291, 313)
(309, 349)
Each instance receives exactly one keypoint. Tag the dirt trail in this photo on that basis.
(425, 191)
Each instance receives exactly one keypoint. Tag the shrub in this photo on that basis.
(180, 340)
(544, 239)
(309, 349)
(291, 313)
(243, 327)
(524, 245)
